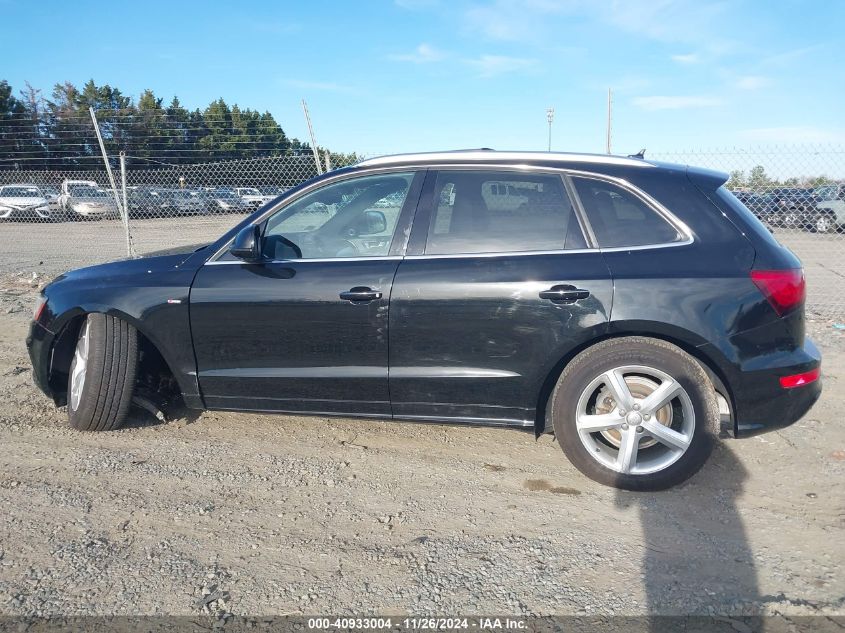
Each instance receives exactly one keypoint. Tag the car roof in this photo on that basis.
(482, 155)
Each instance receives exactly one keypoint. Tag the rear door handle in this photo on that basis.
(360, 294)
(564, 294)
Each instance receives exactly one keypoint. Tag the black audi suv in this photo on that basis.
(637, 310)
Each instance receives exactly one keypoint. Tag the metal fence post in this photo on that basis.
(125, 211)
(130, 251)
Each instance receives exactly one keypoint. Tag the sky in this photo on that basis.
(388, 76)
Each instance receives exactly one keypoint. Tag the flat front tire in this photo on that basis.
(102, 373)
(635, 413)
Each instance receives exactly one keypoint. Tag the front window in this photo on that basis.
(350, 218)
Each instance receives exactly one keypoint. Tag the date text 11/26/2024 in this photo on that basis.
(419, 624)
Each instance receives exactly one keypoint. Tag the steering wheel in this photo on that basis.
(339, 247)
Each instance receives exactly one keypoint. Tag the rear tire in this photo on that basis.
(824, 223)
(653, 445)
(102, 374)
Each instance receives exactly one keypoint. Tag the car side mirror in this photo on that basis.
(370, 223)
(247, 244)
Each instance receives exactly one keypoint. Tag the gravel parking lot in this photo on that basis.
(252, 514)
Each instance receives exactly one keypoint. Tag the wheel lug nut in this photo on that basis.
(624, 427)
(639, 429)
(646, 417)
(636, 407)
(622, 412)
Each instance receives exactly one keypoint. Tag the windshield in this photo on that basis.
(20, 192)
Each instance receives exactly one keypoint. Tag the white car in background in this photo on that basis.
(84, 200)
(24, 202)
(252, 196)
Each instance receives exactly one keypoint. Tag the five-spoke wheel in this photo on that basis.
(635, 413)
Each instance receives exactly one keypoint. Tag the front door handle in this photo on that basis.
(360, 294)
(564, 294)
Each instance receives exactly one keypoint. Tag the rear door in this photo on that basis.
(498, 286)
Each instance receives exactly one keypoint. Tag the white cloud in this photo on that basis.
(514, 20)
(492, 65)
(422, 54)
(794, 135)
(689, 58)
(678, 102)
(752, 82)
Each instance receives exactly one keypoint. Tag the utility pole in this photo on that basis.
(609, 116)
(550, 116)
(313, 140)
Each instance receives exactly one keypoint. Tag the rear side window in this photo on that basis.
(500, 212)
(621, 219)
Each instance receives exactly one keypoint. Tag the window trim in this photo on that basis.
(682, 229)
(421, 210)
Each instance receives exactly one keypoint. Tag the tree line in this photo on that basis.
(758, 180)
(56, 132)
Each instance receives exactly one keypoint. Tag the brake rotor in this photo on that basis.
(640, 388)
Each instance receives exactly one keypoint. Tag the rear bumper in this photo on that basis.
(761, 404)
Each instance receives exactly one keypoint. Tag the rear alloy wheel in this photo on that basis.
(635, 413)
(102, 373)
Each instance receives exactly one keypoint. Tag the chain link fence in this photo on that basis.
(799, 193)
(56, 217)
(56, 220)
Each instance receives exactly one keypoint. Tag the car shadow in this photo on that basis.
(698, 567)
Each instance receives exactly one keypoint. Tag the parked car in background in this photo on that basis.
(225, 201)
(85, 201)
(24, 202)
(830, 209)
(272, 190)
(183, 202)
(147, 201)
(633, 309)
(253, 196)
(759, 204)
(52, 194)
(791, 207)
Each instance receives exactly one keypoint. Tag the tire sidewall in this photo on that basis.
(650, 353)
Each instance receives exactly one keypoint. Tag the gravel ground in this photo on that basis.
(255, 514)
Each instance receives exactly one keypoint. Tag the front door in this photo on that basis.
(307, 329)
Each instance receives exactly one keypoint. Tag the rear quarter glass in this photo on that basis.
(771, 254)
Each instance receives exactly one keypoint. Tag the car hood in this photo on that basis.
(185, 250)
(11, 201)
(133, 269)
(100, 202)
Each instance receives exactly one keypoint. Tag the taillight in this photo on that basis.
(785, 289)
(38, 310)
(798, 380)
